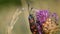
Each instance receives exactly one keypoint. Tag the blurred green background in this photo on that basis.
(8, 7)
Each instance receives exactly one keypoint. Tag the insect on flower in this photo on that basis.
(33, 27)
(44, 23)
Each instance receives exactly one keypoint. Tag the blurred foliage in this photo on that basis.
(12, 2)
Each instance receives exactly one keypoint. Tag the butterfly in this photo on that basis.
(34, 27)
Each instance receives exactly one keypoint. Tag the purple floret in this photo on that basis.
(55, 16)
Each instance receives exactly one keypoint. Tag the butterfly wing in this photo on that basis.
(32, 24)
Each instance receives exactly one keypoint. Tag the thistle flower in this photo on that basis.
(42, 16)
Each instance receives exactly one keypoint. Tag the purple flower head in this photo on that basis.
(42, 15)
